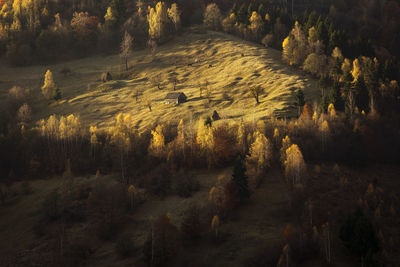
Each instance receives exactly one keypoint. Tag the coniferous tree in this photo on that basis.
(242, 14)
(250, 9)
(371, 80)
(311, 21)
(234, 9)
(240, 179)
(262, 10)
(300, 102)
(337, 38)
(322, 31)
(118, 9)
(336, 70)
(335, 96)
(359, 235)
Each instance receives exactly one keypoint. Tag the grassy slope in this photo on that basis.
(229, 78)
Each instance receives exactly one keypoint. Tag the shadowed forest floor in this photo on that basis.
(261, 221)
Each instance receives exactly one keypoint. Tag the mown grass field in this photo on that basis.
(229, 65)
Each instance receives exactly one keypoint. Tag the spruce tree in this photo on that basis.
(371, 80)
(240, 179)
(250, 10)
(118, 9)
(56, 93)
(300, 102)
(262, 10)
(335, 97)
(242, 14)
(234, 9)
(359, 235)
(324, 103)
(312, 19)
(362, 96)
(336, 69)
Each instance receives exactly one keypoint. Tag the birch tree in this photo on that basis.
(126, 48)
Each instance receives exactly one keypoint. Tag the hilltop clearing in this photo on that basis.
(224, 66)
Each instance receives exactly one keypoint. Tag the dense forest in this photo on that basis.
(339, 214)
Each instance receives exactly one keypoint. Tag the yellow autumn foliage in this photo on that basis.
(158, 20)
(294, 164)
(286, 143)
(331, 110)
(259, 158)
(157, 143)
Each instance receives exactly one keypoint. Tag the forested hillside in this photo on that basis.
(199, 133)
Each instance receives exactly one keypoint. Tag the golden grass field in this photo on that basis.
(193, 58)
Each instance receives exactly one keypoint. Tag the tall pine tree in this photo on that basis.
(240, 179)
